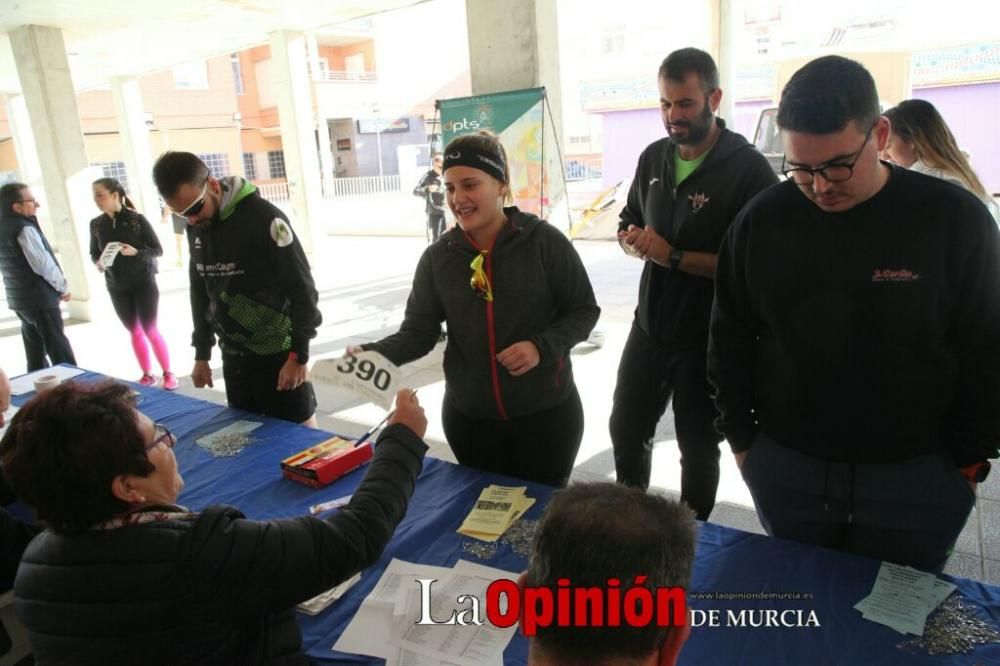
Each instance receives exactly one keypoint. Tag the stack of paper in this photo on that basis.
(386, 624)
(323, 599)
(496, 509)
(7, 416)
(903, 597)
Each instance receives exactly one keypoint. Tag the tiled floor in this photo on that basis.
(363, 284)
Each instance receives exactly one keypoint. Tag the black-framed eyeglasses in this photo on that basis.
(833, 173)
(197, 204)
(161, 434)
(31, 201)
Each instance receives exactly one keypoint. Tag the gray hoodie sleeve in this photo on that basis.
(576, 307)
(40, 260)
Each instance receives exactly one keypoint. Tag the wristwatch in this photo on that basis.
(976, 472)
(299, 357)
(675, 258)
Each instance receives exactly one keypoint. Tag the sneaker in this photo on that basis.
(148, 380)
(169, 381)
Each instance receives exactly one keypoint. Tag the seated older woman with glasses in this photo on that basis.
(124, 575)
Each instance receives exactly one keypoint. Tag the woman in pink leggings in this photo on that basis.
(131, 278)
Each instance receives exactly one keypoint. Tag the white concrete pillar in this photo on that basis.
(515, 45)
(292, 89)
(325, 154)
(134, 135)
(43, 71)
(723, 35)
(29, 170)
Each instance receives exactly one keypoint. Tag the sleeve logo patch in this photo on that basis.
(281, 233)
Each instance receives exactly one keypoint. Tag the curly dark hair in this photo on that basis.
(65, 447)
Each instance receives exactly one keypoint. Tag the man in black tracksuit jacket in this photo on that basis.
(251, 287)
(687, 189)
(855, 336)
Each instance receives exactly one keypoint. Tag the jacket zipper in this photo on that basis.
(494, 371)
(490, 325)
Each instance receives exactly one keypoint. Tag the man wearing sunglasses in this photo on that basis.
(854, 335)
(251, 288)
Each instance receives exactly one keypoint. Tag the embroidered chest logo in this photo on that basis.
(698, 201)
(197, 242)
(894, 275)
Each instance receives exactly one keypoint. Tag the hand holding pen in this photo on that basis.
(408, 412)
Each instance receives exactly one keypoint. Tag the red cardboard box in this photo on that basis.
(326, 462)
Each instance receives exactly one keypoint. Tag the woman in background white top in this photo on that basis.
(920, 140)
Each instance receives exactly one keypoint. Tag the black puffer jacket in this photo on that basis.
(26, 289)
(212, 589)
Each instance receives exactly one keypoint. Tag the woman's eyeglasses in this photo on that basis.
(480, 282)
(160, 434)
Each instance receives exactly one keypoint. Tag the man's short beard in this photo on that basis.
(698, 130)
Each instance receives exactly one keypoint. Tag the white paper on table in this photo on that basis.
(902, 597)
(367, 374)
(366, 632)
(7, 416)
(464, 645)
(107, 257)
(26, 383)
(322, 600)
(401, 657)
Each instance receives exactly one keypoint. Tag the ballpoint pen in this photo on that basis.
(367, 435)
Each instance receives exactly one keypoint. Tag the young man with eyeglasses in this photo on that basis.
(688, 188)
(854, 336)
(251, 287)
(33, 280)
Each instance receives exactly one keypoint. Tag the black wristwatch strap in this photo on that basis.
(675, 258)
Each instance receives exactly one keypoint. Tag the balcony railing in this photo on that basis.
(329, 75)
(363, 186)
(277, 193)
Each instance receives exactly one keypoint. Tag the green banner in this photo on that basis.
(517, 117)
(495, 112)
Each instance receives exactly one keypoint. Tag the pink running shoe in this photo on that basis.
(169, 381)
(148, 380)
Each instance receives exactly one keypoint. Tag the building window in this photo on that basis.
(276, 163)
(234, 60)
(191, 76)
(249, 166)
(217, 162)
(114, 170)
(613, 40)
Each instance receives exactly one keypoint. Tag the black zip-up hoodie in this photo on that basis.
(866, 336)
(541, 293)
(250, 280)
(128, 226)
(674, 307)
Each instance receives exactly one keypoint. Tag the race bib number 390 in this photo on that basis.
(368, 375)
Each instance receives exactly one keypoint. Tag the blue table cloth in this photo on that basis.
(729, 562)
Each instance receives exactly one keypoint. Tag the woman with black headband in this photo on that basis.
(516, 299)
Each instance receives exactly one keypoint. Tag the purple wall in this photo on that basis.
(746, 117)
(971, 113)
(626, 133)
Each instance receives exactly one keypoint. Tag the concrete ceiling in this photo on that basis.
(125, 38)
